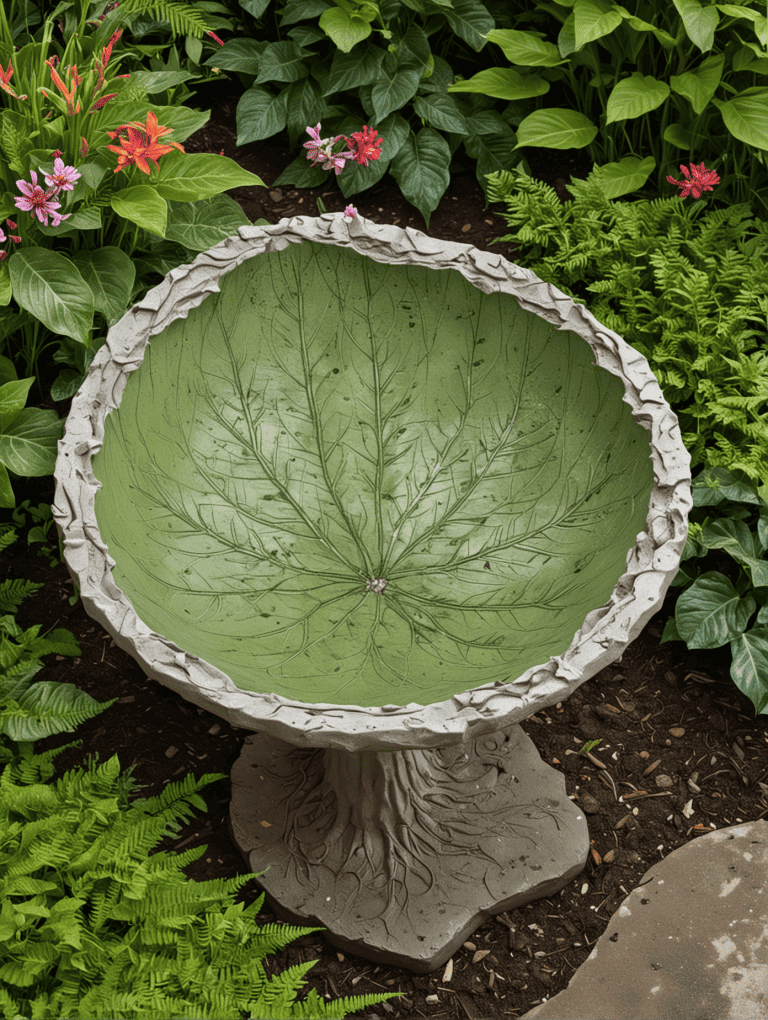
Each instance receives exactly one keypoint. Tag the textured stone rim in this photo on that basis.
(605, 632)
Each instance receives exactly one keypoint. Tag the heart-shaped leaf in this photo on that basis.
(711, 613)
(48, 285)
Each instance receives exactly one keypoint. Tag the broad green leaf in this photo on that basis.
(594, 19)
(110, 274)
(297, 10)
(421, 170)
(282, 61)
(715, 484)
(327, 420)
(345, 29)
(83, 219)
(525, 49)
(28, 444)
(635, 96)
(159, 81)
(746, 116)
(302, 174)
(440, 79)
(711, 613)
(666, 40)
(700, 85)
(254, 7)
(67, 383)
(556, 129)
(441, 112)
(749, 669)
(260, 115)
(305, 106)
(7, 498)
(143, 206)
(359, 67)
(416, 41)
(679, 136)
(194, 176)
(733, 536)
(201, 225)
(48, 285)
(699, 22)
(762, 532)
(7, 370)
(670, 632)
(624, 177)
(503, 83)
(395, 84)
(470, 20)
(238, 54)
(13, 397)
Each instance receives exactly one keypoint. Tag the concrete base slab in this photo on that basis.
(690, 943)
(401, 855)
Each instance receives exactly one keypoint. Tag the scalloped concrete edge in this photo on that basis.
(606, 631)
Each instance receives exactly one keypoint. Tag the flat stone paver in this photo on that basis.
(690, 943)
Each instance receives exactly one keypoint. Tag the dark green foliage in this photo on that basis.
(684, 286)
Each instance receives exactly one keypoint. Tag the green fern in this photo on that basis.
(679, 283)
(184, 19)
(13, 593)
(93, 926)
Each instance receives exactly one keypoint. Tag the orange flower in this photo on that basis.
(5, 77)
(67, 92)
(141, 144)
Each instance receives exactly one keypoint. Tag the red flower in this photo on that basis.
(697, 180)
(364, 145)
(67, 91)
(141, 144)
(214, 36)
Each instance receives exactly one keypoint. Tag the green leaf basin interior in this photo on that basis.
(367, 484)
(360, 487)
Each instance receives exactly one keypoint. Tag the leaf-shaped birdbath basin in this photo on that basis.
(377, 497)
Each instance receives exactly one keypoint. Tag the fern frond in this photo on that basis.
(13, 593)
(184, 19)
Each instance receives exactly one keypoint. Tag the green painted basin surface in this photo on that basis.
(368, 484)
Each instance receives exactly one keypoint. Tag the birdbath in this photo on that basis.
(376, 497)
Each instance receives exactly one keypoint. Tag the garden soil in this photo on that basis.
(680, 750)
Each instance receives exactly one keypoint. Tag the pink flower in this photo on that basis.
(697, 180)
(63, 177)
(320, 149)
(38, 202)
(349, 213)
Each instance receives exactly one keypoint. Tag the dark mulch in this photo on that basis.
(672, 724)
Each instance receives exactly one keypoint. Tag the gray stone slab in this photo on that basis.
(690, 943)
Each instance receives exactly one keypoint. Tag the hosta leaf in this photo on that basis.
(194, 176)
(749, 669)
(201, 225)
(28, 444)
(48, 285)
(110, 274)
(421, 170)
(260, 114)
(327, 423)
(711, 613)
(142, 205)
(556, 129)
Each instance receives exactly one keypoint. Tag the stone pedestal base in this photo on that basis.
(401, 855)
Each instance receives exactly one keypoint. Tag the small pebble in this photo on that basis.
(610, 857)
(466, 227)
(664, 781)
(480, 955)
(171, 752)
(677, 731)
